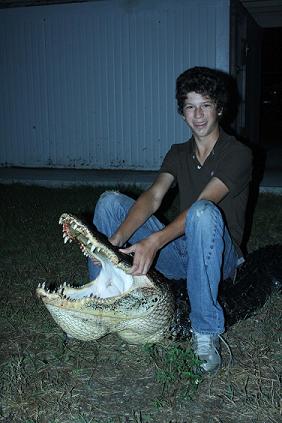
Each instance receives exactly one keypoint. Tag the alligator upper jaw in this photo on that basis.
(112, 282)
(94, 246)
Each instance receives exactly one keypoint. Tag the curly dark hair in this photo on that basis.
(204, 81)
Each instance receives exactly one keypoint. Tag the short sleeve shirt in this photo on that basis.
(230, 161)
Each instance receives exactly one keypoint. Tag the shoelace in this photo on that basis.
(202, 343)
(228, 349)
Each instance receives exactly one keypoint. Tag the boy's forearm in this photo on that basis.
(142, 209)
(172, 231)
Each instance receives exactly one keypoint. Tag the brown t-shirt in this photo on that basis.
(230, 161)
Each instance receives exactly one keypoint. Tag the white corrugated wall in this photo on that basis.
(92, 85)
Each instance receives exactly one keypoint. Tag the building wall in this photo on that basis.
(92, 85)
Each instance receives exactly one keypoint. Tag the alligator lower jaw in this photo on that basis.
(91, 296)
(57, 300)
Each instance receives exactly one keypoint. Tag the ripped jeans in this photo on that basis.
(204, 256)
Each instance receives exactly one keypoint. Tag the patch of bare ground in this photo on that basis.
(46, 379)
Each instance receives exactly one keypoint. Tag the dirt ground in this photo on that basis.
(46, 379)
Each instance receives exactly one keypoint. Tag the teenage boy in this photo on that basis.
(202, 244)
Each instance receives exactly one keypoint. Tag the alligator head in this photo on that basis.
(140, 309)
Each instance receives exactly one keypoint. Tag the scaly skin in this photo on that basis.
(140, 309)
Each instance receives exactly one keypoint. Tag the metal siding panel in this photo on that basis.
(93, 84)
(222, 33)
(21, 92)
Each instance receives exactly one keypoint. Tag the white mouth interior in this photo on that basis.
(110, 282)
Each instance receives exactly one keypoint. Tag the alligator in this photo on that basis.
(139, 308)
(148, 308)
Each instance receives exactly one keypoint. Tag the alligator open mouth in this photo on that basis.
(115, 301)
(113, 279)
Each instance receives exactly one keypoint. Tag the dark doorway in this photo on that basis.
(245, 67)
(271, 106)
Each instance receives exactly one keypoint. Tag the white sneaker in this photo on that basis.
(206, 347)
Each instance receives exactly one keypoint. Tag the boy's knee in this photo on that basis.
(202, 211)
(107, 198)
(201, 207)
(106, 202)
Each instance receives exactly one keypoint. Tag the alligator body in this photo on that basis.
(145, 309)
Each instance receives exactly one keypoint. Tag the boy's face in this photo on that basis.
(200, 113)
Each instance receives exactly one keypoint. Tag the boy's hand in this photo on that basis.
(144, 253)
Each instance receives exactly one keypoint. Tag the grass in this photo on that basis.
(177, 372)
(45, 380)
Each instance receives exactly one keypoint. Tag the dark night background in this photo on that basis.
(271, 124)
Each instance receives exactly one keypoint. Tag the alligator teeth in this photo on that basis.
(88, 242)
(92, 249)
(74, 226)
(66, 239)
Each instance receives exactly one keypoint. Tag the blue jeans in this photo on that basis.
(204, 256)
